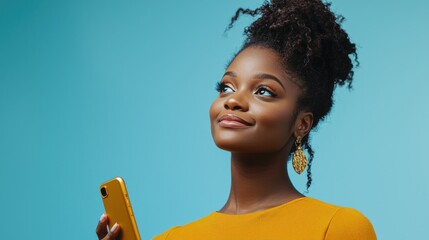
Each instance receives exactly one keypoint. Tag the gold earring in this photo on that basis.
(299, 160)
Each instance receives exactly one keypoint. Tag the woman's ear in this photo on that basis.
(303, 124)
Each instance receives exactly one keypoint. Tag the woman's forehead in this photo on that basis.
(255, 60)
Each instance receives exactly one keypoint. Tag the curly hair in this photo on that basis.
(308, 37)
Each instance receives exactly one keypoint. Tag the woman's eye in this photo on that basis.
(265, 92)
(222, 87)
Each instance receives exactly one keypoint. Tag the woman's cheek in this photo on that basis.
(214, 110)
(274, 126)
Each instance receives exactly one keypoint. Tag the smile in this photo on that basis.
(232, 121)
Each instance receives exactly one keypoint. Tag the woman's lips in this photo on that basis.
(232, 124)
(232, 121)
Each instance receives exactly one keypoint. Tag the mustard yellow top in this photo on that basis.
(304, 218)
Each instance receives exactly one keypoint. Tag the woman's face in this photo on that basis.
(254, 111)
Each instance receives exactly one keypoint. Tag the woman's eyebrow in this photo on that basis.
(232, 74)
(269, 76)
(257, 76)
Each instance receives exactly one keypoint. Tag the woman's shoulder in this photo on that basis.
(165, 234)
(189, 227)
(351, 224)
(345, 222)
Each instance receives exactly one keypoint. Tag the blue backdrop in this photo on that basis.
(93, 89)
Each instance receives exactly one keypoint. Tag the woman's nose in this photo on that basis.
(236, 102)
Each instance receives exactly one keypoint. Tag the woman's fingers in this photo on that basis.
(101, 229)
(114, 232)
(102, 232)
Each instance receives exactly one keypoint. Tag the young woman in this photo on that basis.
(276, 89)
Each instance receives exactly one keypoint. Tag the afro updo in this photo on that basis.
(308, 37)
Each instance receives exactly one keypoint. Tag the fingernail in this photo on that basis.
(103, 216)
(115, 226)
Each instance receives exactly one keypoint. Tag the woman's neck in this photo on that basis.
(258, 182)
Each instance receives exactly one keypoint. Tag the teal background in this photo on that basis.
(93, 89)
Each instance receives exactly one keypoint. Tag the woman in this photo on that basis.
(276, 89)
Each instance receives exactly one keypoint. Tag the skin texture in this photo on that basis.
(259, 152)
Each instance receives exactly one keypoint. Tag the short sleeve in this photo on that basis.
(164, 235)
(350, 224)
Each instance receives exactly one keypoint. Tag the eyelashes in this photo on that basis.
(261, 90)
(220, 87)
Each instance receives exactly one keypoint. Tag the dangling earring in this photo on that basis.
(299, 160)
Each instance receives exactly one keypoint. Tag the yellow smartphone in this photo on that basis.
(118, 208)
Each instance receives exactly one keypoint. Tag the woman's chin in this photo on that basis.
(249, 144)
(236, 147)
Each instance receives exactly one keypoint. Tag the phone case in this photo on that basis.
(118, 208)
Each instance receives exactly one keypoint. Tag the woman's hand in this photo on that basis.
(102, 232)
